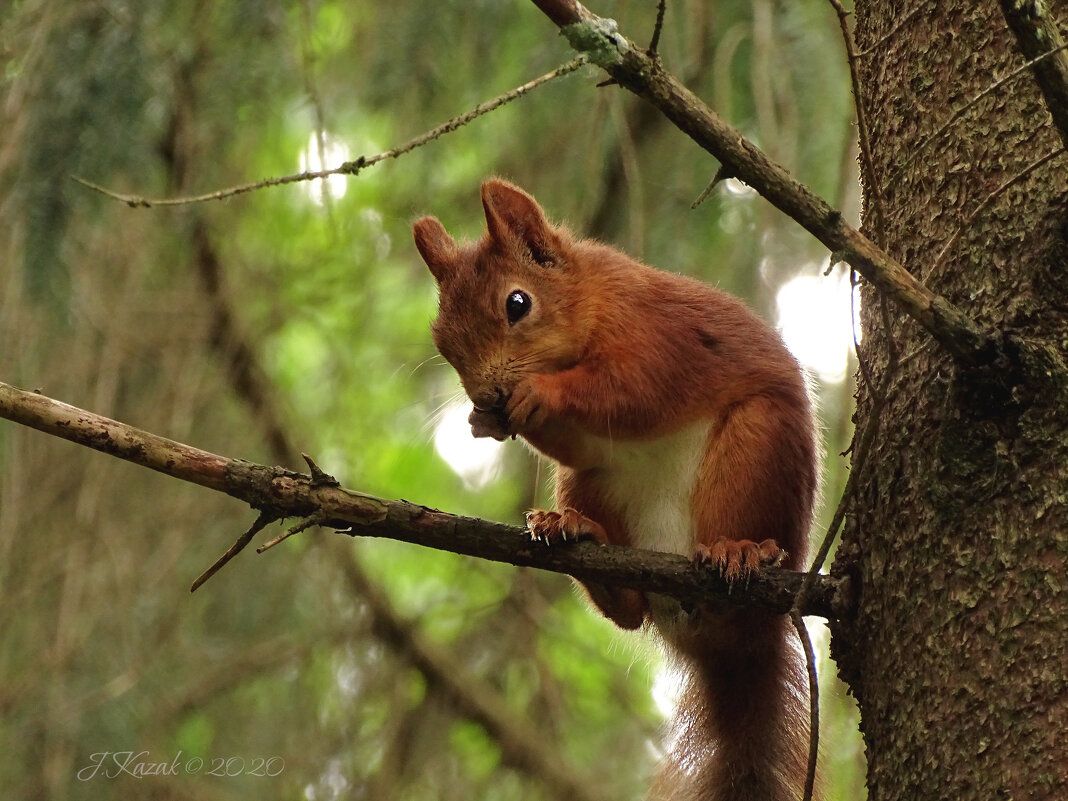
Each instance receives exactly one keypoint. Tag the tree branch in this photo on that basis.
(632, 68)
(285, 493)
(1037, 34)
(353, 167)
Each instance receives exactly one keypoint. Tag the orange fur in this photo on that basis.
(679, 421)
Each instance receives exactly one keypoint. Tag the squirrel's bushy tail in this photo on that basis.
(741, 728)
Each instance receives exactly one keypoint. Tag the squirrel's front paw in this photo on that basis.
(526, 408)
(739, 558)
(553, 527)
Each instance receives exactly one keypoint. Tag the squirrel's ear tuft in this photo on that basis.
(437, 248)
(513, 214)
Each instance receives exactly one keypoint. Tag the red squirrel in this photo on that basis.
(679, 422)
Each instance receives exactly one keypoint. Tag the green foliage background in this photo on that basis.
(102, 649)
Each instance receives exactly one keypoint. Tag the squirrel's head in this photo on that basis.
(509, 304)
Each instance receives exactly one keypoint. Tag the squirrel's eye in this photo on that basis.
(517, 306)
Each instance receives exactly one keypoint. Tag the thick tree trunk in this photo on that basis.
(958, 536)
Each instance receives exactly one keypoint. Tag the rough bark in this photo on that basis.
(958, 538)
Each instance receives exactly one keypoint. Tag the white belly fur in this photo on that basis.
(649, 483)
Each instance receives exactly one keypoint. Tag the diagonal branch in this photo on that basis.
(1037, 34)
(289, 494)
(631, 67)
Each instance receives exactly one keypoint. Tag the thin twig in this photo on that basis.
(303, 525)
(655, 42)
(264, 520)
(721, 175)
(349, 167)
(860, 455)
(861, 449)
(863, 132)
(813, 702)
(312, 88)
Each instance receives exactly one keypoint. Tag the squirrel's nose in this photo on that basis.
(491, 399)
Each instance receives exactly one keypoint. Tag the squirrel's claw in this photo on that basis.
(739, 558)
(555, 527)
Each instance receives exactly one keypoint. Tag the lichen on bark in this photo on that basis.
(599, 38)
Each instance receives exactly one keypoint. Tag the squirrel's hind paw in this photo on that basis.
(739, 558)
